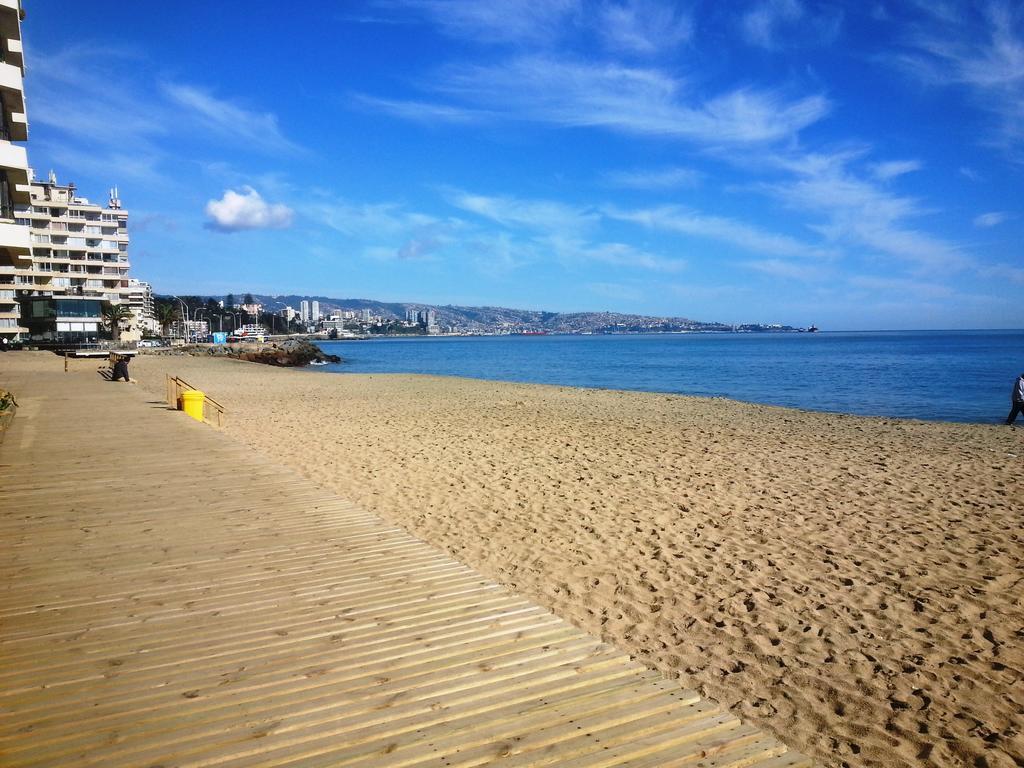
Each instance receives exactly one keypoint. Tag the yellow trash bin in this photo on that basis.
(192, 403)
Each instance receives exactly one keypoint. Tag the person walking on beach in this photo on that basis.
(1016, 399)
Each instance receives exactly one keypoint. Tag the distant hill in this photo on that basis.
(505, 319)
(493, 318)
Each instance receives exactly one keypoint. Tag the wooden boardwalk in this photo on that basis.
(168, 598)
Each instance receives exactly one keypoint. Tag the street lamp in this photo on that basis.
(184, 315)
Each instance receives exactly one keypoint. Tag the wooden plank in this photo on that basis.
(254, 619)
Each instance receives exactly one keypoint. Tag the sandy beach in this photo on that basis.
(853, 585)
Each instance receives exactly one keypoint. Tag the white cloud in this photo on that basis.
(258, 130)
(672, 218)
(631, 100)
(664, 178)
(246, 210)
(991, 219)
(422, 111)
(765, 24)
(493, 21)
(860, 213)
(760, 23)
(1014, 274)
(787, 269)
(544, 215)
(372, 220)
(613, 254)
(644, 27)
(894, 168)
(979, 47)
(905, 287)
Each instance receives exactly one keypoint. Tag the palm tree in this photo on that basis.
(113, 317)
(165, 314)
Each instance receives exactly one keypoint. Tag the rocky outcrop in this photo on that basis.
(290, 353)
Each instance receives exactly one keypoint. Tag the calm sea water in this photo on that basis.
(947, 376)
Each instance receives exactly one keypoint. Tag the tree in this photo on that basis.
(249, 299)
(114, 317)
(165, 315)
(229, 302)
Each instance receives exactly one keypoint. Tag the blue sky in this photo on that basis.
(856, 165)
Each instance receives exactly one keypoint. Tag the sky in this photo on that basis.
(856, 165)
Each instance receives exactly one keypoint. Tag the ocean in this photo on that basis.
(962, 376)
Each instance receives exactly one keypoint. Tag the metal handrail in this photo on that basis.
(176, 385)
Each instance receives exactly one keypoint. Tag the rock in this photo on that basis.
(289, 353)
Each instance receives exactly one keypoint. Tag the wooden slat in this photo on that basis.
(181, 601)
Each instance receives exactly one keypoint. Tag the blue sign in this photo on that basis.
(220, 338)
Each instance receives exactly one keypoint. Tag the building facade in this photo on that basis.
(142, 306)
(15, 238)
(79, 263)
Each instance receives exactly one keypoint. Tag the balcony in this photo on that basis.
(17, 240)
(17, 126)
(13, 86)
(15, 53)
(10, 29)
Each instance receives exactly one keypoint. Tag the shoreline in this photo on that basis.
(851, 584)
(995, 423)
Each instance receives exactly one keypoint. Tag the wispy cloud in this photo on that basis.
(371, 220)
(422, 111)
(614, 254)
(494, 21)
(662, 178)
(979, 47)
(859, 213)
(230, 121)
(894, 168)
(671, 218)
(544, 215)
(788, 270)
(771, 24)
(237, 211)
(631, 100)
(991, 219)
(644, 27)
(70, 93)
(761, 22)
(903, 287)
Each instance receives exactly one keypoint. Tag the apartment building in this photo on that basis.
(142, 306)
(79, 262)
(15, 241)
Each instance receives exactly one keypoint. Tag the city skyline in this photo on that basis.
(858, 167)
